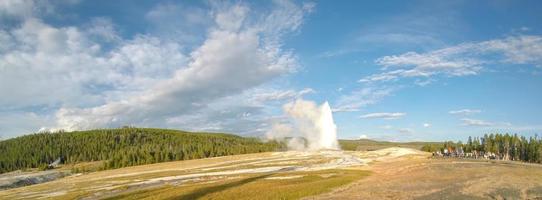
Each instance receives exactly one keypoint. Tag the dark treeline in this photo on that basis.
(503, 146)
(122, 147)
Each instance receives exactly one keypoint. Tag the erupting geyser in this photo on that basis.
(327, 137)
(310, 126)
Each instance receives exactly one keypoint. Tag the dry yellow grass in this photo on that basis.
(424, 178)
(393, 173)
(257, 186)
(249, 176)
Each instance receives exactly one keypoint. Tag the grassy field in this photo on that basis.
(391, 173)
(425, 178)
(371, 145)
(278, 175)
(256, 186)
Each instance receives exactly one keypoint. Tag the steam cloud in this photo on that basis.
(311, 126)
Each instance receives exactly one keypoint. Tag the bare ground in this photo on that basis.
(419, 177)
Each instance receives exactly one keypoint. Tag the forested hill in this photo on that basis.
(122, 147)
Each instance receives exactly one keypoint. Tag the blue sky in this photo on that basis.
(392, 70)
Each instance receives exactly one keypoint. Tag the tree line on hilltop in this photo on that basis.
(503, 146)
(122, 147)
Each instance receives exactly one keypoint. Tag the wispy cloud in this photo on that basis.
(406, 131)
(387, 116)
(501, 126)
(460, 60)
(358, 99)
(476, 122)
(387, 127)
(464, 112)
(178, 22)
(281, 94)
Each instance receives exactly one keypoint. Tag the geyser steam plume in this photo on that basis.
(309, 127)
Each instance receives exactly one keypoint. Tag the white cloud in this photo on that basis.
(286, 19)
(53, 62)
(148, 57)
(406, 131)
(360, 98)
(499, 126)
(231, 60)
(525, 49)
(64, 66)
(424, 82)
(179, 22)
(398, 39)
(231, 114)
(22, 9)
(426, 125)
(232, 20)
(509, 127)
(363, 136)
(281, 95)
(13, 123)
(460, 60)
(476, 122)
(387, 116)
(17, 8)
(464, 112)
(104, 29)
(251, 112)
(89, 76)
(387, 127)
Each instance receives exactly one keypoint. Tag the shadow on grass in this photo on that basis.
(208, 190)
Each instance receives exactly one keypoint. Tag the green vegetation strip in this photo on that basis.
(256, 187)
(371, 145)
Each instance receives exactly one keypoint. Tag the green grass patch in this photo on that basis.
(255, 187)
(371, 145)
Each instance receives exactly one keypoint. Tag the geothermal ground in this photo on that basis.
(392, 173)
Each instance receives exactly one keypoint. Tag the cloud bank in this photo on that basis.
(89, 76)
